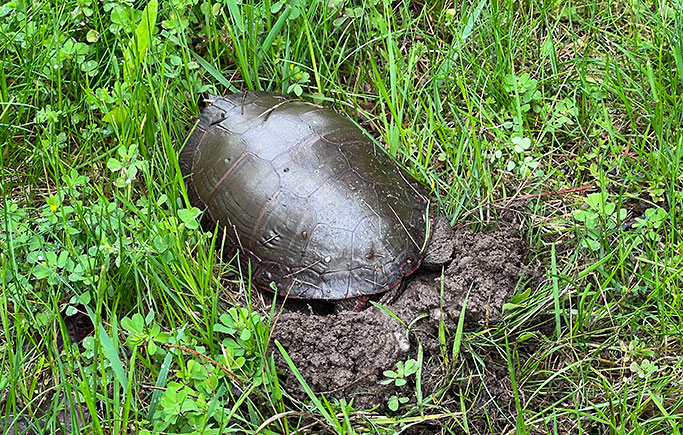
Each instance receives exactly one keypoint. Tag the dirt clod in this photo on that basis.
(441, 245)
(345, 355)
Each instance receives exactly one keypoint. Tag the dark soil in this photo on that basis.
(345, 354)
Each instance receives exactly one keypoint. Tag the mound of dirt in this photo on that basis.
(345, 355)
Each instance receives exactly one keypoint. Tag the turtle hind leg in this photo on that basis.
(392, 294)
(354, 304)
(362, 302)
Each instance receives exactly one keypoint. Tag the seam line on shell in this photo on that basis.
(227, 173)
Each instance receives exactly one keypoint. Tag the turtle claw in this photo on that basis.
(354, 304)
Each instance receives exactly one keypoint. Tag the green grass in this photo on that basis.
(570, 113)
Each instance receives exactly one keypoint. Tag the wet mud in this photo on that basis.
(346, 354)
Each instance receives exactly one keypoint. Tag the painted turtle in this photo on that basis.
(306, 195)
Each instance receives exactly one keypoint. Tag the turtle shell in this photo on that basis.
(302, 191)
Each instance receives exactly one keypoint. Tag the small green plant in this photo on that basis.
(399, 377)
(645, 369)
(126, 166)
(523, 162)
(599, 219)
(189, 216)
(656, 188)
(349, 11)
(650, 226)
(143, 331)
(184, 410)
(244, 330)
(527, 88)
(403, 371)
(291, 7)
(299, 78)
(564, 112)
(395, 402)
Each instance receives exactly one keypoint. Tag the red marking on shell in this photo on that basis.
(226, 175)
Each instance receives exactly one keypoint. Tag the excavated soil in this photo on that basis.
(345, 354)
